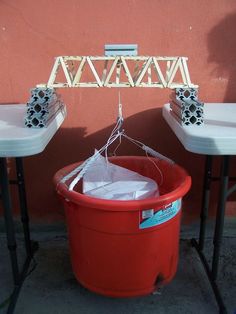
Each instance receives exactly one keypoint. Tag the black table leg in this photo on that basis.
(205, 201)
(212, 273)
(224, 179)
(23, 204)
(9, 223)
(30, 246)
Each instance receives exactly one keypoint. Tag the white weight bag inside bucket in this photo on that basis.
(109, 181)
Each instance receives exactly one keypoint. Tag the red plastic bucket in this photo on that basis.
(126, 248)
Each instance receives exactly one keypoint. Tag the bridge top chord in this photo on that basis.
(119, 71)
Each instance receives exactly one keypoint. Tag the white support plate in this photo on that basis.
(16, 140)
(217, 136)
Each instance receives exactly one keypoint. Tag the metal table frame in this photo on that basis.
(16, 142)
(30, 246)
(225, 191)
(216, 138)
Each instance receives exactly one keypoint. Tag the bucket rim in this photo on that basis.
(121, 205)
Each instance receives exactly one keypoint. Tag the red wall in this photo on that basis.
(32, 33)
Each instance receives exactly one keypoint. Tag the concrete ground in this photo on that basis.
(51, 287)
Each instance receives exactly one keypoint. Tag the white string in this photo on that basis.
(158, 169)
(118, 145)
(148, 149)
(113, 136)
(80, 170)
(116, 133)
(141, 145)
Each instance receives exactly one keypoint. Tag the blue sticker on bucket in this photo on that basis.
(160, 216)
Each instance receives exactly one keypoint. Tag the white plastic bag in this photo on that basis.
(108, 181)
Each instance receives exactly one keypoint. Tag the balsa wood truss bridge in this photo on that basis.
(119, 71)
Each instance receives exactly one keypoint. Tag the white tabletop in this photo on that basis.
(16, 140)
(216, 137)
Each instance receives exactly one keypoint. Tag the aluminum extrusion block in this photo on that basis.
(42, 107)
(41, 94)
(186, 93)
(41, 120)
(186, 108)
